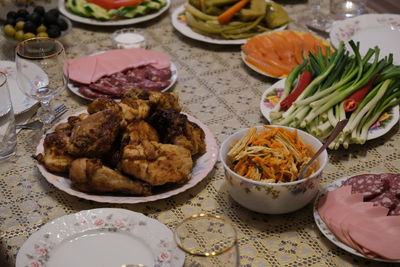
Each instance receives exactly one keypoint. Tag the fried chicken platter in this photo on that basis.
(140, 149)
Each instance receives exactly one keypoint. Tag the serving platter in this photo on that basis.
(75, 89)
(121, 22)
(20, 101)
(324, 228)
(376, 131)
(101, 237)
(201, 168)
(184, 29)
(382, 30)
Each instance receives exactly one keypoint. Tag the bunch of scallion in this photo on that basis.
(336, 77)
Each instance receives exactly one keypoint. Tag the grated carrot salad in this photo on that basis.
(274, 155)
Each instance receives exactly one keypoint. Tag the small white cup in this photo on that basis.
(342, 9)
(128, 38)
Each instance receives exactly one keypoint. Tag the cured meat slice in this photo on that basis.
(395, 211)
(86, 91)
(387, 199)
(394, 184)
(370, 185)
(81, 70)
(380, 236)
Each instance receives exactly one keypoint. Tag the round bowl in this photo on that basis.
(272, 198)
(63, 33)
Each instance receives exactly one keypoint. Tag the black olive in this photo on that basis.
(10, 21)
(35, 18)
(62, 24)
(54, 11)
(53, 31)
(22, 13)
(12, 14)
(29, 26)
(19, 19)
(49, 19)
(39, 10)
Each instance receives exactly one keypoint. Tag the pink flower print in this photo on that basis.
(119, 224)
(268, 105)
(376, 125)
(279, 93)
(99, 222)
(35, 264)
(41, 251)
(164, 256)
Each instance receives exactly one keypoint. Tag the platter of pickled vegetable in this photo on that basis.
(228, 21)
(344, 84)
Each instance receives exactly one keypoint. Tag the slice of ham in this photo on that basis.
(90, 69)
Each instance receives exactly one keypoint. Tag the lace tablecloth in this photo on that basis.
(216, 87)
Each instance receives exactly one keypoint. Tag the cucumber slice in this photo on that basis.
(136, 11)
(97, 11)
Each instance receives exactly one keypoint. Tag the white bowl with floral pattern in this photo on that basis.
(272, 198)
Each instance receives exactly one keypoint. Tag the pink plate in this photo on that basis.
(201, 169)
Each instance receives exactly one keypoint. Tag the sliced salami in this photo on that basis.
(395, 211)
(370, 185)
(387, 200)
(86, 91)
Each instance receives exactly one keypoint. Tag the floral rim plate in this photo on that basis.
(74, 89)
(91, 21)
(101, 237)
(378, 129)
(324, 228)
(370, 30)
(21, 102)
(183, 28)
(201, 169)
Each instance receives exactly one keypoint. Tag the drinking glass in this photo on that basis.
(342, 9)
(316, 20)
(208, 240)
(8, 135)
(41, 72)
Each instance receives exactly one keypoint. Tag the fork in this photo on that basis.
(58, 112)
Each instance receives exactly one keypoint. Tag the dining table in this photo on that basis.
(216, 87)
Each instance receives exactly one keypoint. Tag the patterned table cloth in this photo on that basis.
(216, 87)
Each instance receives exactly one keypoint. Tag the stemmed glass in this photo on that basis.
(208, 240)
(317, 20)
(41, 72)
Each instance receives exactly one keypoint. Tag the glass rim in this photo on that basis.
(23, 43)
(205, 254)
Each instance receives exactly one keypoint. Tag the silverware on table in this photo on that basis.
(58, 112)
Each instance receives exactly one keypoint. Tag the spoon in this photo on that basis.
(338, 128)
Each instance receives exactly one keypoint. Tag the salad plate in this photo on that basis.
(201, 168)
(325, 230)
(75, 89)
(382, 30)
(20, 101)
(181, 26)
(270, 97)
(101, 237)
(121, 22)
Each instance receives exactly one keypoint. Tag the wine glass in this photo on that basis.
(208, 240)
(317, 20)
(41, 72)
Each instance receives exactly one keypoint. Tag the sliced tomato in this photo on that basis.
(114, 4)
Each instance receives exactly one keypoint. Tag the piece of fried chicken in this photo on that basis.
(157, 163)
(95, 135)
(138, 131)
(90, 175)
(155, 99)
(55, 157)
(175, 128)
(71, 121)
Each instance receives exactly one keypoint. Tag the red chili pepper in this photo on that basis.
(304, 81)
(352, 102)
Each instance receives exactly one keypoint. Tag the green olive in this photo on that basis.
(41, 28)
(19, 35)
(42, 34)
(20, 25)
(9, 30)
(29, 35)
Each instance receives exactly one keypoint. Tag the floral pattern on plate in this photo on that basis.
(272, 96)
(37, 251)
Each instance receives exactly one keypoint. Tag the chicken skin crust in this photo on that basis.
(90, 175)
(157, 163)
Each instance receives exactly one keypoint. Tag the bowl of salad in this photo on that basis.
(262, 166)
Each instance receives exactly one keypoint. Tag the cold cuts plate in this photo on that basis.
(201, 168)
(102, 238)
(91, 21)
(378, 129)
(174, 76)
(326, 231)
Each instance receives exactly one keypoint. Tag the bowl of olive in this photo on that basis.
(22, 24)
